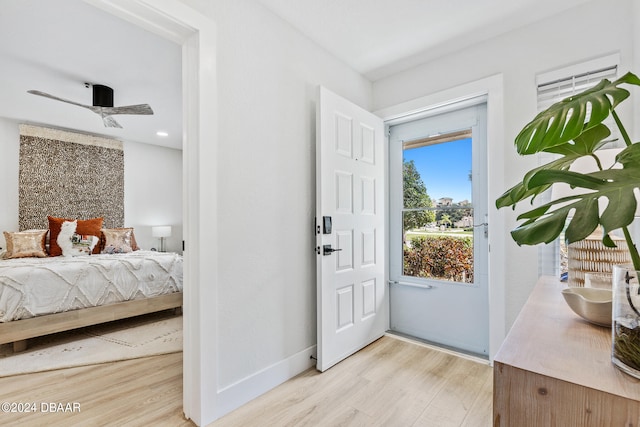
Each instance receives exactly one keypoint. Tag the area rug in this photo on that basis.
(148, 335)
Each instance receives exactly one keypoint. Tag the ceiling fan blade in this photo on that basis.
(104, 112)
(110, 122)
(56, 98)
(143, 109)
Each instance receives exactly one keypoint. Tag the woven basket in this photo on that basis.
(591, 256)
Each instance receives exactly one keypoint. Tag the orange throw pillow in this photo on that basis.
(85, 227)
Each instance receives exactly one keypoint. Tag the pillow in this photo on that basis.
(24, 244)
(87, 227)
(117, 240)
(121, 235)
(74, 244)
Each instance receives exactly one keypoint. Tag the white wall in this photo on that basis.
(268, 73)
(582, 33)
(153, 187)
(153, 193)
(9, 167)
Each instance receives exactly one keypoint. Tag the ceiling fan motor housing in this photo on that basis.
(102, 96)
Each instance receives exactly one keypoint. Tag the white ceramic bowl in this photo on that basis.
(592, 304)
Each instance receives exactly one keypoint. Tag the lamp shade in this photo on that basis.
(161, 231)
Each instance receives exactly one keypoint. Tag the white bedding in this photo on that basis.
(34, 286)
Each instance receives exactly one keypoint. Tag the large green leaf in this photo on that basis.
(519, 192)
(589, 181)
(543, 229)
(545, 223)
(567, 119)
(584, 145)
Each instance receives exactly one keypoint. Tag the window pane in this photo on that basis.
(437, 218)
(437, 174)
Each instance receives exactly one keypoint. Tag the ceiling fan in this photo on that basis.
(103, 105)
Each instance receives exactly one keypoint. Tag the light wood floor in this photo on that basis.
(389, 383)
(140, 392)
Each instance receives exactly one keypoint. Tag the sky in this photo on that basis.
(444, 168)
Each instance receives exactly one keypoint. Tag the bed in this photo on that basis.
(40, 296)
(62, 276)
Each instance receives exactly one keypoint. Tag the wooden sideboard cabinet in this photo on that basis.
(554, 369)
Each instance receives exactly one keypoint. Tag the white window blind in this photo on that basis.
(554, 91)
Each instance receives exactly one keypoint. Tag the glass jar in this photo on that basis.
(625, 327)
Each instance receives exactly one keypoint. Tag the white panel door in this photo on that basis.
(351, 280)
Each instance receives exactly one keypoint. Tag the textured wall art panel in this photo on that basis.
(69, 175)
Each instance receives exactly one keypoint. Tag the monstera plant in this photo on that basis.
(568, 130)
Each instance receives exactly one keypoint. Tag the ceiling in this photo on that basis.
(55, 46)
(379, 38)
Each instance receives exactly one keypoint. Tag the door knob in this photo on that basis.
(327, 250)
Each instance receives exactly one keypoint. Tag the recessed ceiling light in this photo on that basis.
(162, 133)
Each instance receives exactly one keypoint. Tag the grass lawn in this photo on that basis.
(448, 233)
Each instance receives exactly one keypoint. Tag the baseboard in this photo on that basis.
(247, 389)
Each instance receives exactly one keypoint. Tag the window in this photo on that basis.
(437, 229)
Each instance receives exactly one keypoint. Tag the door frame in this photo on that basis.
(195, 32)
(493, 88)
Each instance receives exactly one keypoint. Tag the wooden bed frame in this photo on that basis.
(18, 331)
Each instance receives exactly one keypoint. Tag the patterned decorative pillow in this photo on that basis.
(117, 237)
(118, 240)
(74, 244)
(23, 244)
(85, 227)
